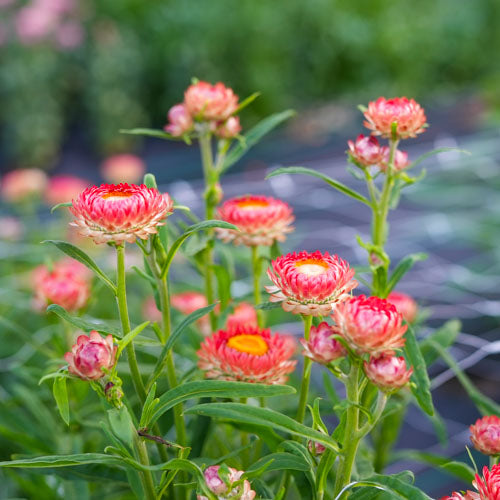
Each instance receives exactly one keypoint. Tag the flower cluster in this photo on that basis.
(366, 151)
(214, 105)
(221, 483)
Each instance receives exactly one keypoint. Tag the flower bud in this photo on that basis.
(223, 486)
(485, 435)
(365, 151)
(90, 355)
(405, 305)
(321, 347)
(400, 160)
(179, 121)
(316, 448)
(229, 129)
(388, 372)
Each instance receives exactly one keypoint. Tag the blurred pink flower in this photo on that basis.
(11, 228)
(120, 168)
(228, 129)
(365, 151)
(69, 34)
(179, 121)
(401, 160)
(64, 188)
(22, 184)
(244, 315)
(210, 102)
(34, 23)
(321, 347)
(485, 435)
(223, 491)
(405, 305)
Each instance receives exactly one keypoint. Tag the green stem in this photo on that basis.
(256, 269)
(146, 476)
(306, 375)
(121, 298)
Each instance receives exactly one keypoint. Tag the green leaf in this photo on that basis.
(82, 257)
(331, 182)
(444, 336)
(61, 396)
(125, 341)
(402, 268)
(85, 325)
(162, 358)
(248, 100)
(421, 388)
(261, 416)
(223, 285)
(423, 157)
(63, 461)
(267, 306)
(149, 132)
(201, 226)
(121, 425)
(150, 181)
(61, 205)
(278, 461)
(253, 136)
(217, 389)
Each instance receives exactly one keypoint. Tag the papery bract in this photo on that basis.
(400, 160)
(469, 495)
(310, 283)
(261, 220)
(120, 213)
(249, 354)
(180, 121)
(225, 491)
(210, 102)
(63, 188)
(485, 435)
(90, 355)
(488, 485)
(244, 315)
(405, 305)
(387, 372)
(407, 113)
(23, 184)
(370, 325)
(365, 151)
(321, 347)
(127, 168)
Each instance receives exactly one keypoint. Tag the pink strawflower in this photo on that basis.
(387, 372)
(11, 228)
(229, 129)
(127, 168)
(210, 102)
(405, 305)
(365, 151)
(34, 23)
(485, 435)
(223, 487)
(189, 302)
(401, 160)
(310, 283)
(150, 311)
(63, 188)
(315, 448)
(90, 355)
(469, 495)
(321, 346)
(244, 315)
(407, 113)
(180, 121)
(261, 220)
(249, 354)
(69, 35)
(23, 184)
(488, 485)
(370, 325)
(120, 213)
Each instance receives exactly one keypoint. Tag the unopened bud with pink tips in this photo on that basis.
(321, 346)
(365, 151)
(387, 372)
(180, 121)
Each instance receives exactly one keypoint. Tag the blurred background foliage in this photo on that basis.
(98, 66)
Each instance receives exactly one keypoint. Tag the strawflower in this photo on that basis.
(63, 188)
(249, 354)
(180, 121)
(23, 184)
(488, 485)
(123, 168)
(321, 346)
(120, 213)
(310, 283)
(244, 315)
(365, 151)
(387, 372)
(223, 486)
(400, 160)
(405, 305)
(485, 435)
(210, 102)
(261, 220)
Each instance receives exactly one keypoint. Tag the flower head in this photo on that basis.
(223, 486)
(401, 160)
(370, 325)
(90, 355)
(120, 213)
(488, 485)
(310, 283)
(23, 184)
(180, 121)
(189, 302)
(387, 372)
(210, 102)
(405, 305)
(316, 448)
(261, 220)
(63, 188)
(485, 435)
(244, 315)
(365, 151)
(321, 346)
(406, 113)
(228, 129)
(123, 168)
(249, 354)
(469, 495)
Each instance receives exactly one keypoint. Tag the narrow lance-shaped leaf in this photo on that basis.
(423, 157)
(82, 257)
(61, 396)
(149, 132)
(278, 461)
(402, 268)
(130, 337)
(331, 182)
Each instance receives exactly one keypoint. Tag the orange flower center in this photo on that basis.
(252, 204)
(251, 344)
(311, 267)
(116, 195)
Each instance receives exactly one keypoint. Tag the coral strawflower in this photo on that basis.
(222, 485)
(370, 325)
(321, 346)
(485, 435)
(210, 102)
(180, 121)
(189, 302)
(406, 113)
(365, 151)
(387, 372)
(469, 495)
(244, 315)
(405, 305)
(488, 485)
(23, 184)
(123, 168)
(310, 283)
(120, 213)
(248, 354)
(261, 220)
(63, 188)
(90, 355)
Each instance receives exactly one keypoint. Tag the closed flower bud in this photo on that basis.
(316, 448)
(365, 151)
(400, 160)
(180, 121)
(388, 372)
(223, 487)
(485, 435)
(229, 129)
(216, 102)
(321, 347)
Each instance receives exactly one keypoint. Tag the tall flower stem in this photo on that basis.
(146, 476)
(256, 269)
(306, 374)
(211, 178)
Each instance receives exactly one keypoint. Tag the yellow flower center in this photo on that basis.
(251, 344)
(116, 195)
(252, 204)
(311, 267)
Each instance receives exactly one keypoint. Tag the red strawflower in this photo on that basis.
(189, 302)
(210, 102)
(485, 435)
(488, 485)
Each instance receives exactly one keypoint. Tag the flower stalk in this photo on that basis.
(306, 374)
(256, 270)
